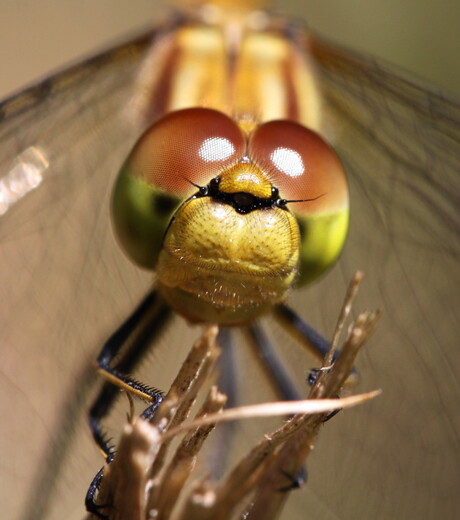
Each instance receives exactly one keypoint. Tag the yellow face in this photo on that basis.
(224, 259)
(206, 205)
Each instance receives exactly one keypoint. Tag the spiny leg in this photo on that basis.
(301, 330)
(90, 504)
(143, 326)
(307, 336)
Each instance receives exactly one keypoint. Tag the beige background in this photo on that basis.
(39, 35)
(65, 284)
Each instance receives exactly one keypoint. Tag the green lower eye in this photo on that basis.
(141, 213)
(322, 237)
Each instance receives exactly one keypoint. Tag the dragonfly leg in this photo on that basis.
(301, 330)
(281, 381)
(317, 344)
(140, 329)
(272, 365)
(90, 504)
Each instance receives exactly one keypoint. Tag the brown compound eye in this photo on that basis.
(187, 145)
(301, 165)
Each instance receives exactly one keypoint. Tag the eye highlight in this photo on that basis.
(216, 149)
(288, 161)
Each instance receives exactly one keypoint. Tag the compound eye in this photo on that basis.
(194, 145)
(187, 145)
(301, 165)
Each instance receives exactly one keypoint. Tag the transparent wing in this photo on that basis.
(65, 285)
(398, 457)
(61, 280)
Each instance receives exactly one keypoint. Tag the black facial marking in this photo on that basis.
(242, 202)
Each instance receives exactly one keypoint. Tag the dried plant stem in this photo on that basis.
(304, 429)
(147, 481)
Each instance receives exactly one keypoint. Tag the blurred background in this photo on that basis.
(418, 35)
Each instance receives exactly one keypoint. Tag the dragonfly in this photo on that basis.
(399, 144)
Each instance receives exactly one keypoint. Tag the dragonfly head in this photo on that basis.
(230, 220)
